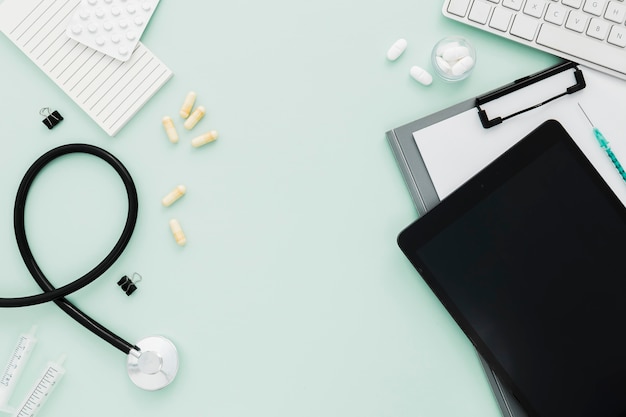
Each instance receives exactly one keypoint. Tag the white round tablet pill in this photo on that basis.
(421, 75)
(396, 49)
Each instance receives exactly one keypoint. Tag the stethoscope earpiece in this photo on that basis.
(155, 365)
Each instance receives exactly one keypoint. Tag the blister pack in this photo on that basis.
(112, 27)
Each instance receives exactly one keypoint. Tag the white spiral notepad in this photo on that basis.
(108, 90)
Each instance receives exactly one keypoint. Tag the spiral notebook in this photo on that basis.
(109, 91)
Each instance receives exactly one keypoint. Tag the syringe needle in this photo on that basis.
(604, 144)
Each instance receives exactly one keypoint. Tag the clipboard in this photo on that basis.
(409, 157)
(436, 153)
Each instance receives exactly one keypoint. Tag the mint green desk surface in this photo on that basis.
(291, 297)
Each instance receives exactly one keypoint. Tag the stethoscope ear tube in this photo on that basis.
(57, 294)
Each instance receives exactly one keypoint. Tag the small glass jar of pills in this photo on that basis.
(453, 58)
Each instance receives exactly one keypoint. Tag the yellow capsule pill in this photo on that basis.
(204, 139)
(177, 231)
(168, 124)
(174, 195)
(188, 105)
(195, 117)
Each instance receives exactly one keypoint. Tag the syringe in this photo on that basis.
(41, 390)
(17, 362)
(604, 144)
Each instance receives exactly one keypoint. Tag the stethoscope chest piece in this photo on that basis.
(155, 365)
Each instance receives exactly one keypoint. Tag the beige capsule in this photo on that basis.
(174, 195)
(188, 104)
(195, 117)
(177, 231)
(204, 139)
(168, 124)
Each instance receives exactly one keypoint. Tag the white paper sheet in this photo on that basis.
(459, 147)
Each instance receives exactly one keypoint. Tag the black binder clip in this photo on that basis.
(51, 118)
(127, 284)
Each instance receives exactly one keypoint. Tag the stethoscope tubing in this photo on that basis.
(58, 294)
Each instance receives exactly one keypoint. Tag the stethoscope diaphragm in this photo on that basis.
(155, 365)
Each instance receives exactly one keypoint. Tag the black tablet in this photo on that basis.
(529, 257)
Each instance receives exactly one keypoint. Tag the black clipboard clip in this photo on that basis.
(524, 82)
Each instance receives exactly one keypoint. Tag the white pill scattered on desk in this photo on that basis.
(178, 233)
(170, 130)
(195, 117)
(396, 49)
(462, 66)
(190, 99)
(421, 75)
(204, 139)
(174, 195)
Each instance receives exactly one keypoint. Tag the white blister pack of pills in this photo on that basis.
(112, 27)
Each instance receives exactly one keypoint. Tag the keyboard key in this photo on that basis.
(598, 29)
(480, 12)
(512, 4)
(595, 7)
(535, 7)
(618, 36)
(581, 47)
(500, 19)
(615, 12)
(573, 3)
(458, 7)
(576, 21)
(524, 27)
(556, 14)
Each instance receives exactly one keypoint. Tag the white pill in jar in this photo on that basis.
(455, 53)
(462, 66)
(396, 49)
(421, 75)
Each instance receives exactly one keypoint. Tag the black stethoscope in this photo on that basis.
(152, 363)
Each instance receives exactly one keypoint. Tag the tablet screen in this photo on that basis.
(529, 257)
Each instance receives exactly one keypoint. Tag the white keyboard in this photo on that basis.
(590, 32)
